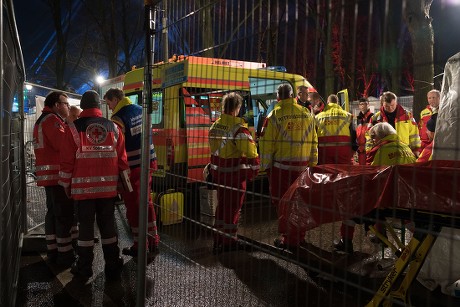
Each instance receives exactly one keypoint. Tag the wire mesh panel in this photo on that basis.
(251, 48)
(11, 164)
(267, 191)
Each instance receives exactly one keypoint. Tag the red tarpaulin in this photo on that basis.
(328, 193)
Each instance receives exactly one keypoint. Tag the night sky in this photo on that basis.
(35, 29)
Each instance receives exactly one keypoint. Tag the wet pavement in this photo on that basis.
(186, 273)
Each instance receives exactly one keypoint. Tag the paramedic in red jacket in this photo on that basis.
(362, 125)
(425, 155)
(234, 160)
(92, 157)
(129, 117)
(59, 220)
(433, 97)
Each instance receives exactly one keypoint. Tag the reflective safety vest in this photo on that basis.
(390, 151)
(288, 138)
(425, 116)
(47, 137)
(333, 126)
(233, 151)
(405, 126)
(92, 156)
(129, 117)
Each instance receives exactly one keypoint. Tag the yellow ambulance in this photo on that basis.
(186, 97)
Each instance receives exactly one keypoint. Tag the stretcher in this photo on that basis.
(411, 256)
(425, 194)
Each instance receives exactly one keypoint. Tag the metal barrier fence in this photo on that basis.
(12, 184)
(335, 45)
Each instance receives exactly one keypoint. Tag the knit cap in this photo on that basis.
(90, 99)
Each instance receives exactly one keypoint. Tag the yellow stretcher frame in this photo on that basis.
(396, 285)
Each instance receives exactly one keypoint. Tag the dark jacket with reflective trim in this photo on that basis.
(129, 117)
(48, 134)
(92, 156)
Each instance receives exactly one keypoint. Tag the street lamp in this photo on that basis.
(100, 79)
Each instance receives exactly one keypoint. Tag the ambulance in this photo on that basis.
(186, 97)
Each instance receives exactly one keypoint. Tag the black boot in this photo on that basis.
(344, 245)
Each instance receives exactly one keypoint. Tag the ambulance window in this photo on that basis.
(247, 111)
(157, 108)
(134, 98)
(197, 108)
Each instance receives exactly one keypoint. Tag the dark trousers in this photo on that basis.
(59, 220)
(101, 209)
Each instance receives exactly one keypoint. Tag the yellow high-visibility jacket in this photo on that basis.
(405, 126)
(233, 151)
(288, 138)
(334, 123)
(390, 151)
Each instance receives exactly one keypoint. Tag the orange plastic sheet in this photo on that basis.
(328, 193)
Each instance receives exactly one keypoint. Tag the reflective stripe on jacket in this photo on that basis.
(288, 136)
(48, 134)
(232, 147)
(390, 151)
(425, 116)
(333, 126)
(425, 155)
(92, 156)
(405, 126)
(361, 129)
(129, 117)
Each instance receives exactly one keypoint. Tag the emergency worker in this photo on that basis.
(234, 160)
(317, 104)
(388, 150)
(48, 134)
(74, 113)
(92, 156)
(129, 117)
(400, 119)
(302, 97)
(425, 155)
(336, 136)
(362, 125)
(288, 145)
(433, 97)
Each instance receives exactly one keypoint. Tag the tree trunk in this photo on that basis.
(328, 65)
(417, 18)
(207, 28)
(61, 47)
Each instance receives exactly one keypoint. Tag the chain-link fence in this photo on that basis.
(228, 255)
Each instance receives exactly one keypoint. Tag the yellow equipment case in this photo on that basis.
(171, 207)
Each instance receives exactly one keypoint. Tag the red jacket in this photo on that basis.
(425, 155)
(425, 116)
(48, 134)
(92, 156)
